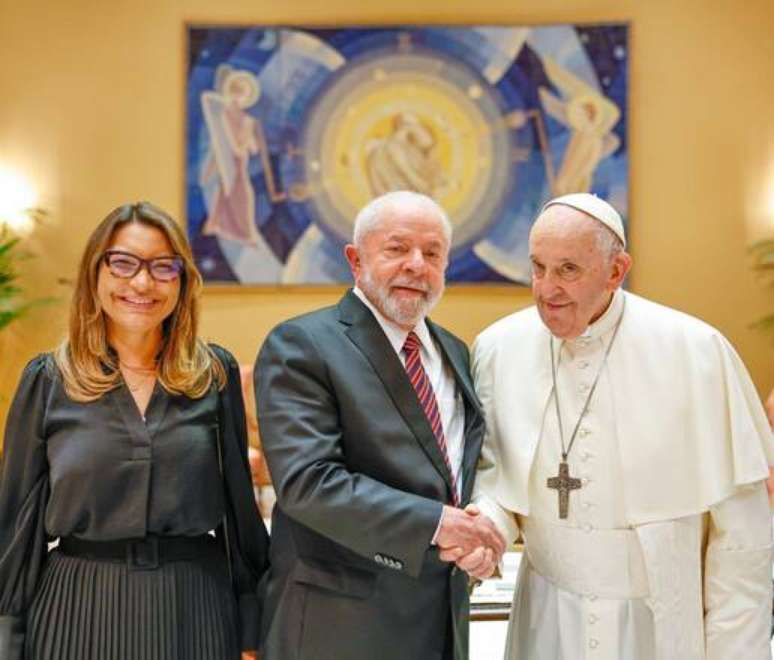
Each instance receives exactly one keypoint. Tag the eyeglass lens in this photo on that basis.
(125, 265)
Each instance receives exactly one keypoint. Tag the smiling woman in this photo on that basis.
(128, 444)
(148, 319)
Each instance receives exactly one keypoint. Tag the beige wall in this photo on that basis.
(91, 105)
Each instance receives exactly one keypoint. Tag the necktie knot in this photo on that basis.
(412, 343)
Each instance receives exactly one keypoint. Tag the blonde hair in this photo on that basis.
(89, 367)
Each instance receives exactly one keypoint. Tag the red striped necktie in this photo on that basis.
(424, 389)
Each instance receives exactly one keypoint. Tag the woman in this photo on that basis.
(128, 444)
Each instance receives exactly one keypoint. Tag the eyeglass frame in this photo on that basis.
(145, 263)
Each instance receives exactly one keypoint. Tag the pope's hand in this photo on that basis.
(463, 532)
(480, 564)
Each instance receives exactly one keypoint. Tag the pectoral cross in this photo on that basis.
(563, 483)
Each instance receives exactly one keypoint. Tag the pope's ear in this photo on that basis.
(622, 263)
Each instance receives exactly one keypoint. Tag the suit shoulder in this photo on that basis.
(450, 336)
(308, 321)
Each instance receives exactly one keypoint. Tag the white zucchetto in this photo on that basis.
(594, 206)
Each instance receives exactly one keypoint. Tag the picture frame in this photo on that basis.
(290, 130)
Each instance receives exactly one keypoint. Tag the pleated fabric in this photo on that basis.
(98, 610)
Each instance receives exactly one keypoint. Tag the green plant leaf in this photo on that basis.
(12, 304)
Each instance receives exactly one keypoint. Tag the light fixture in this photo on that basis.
(17, 201)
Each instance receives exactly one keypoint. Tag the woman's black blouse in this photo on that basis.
(98, 471)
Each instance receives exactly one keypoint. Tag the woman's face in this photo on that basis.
(140, 303)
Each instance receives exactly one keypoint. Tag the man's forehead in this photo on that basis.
(561, 242)
(425, 234)
(561, 219)
(412, 227)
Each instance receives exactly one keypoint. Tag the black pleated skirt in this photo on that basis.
(87, 609)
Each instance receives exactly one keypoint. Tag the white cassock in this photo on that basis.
(666, 552)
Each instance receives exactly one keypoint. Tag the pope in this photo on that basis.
(627, 445)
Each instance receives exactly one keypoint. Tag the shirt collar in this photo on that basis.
(604, 323)
(395, 334)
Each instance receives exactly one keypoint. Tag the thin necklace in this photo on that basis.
(139, 370)
(563, 483)
(143, 376)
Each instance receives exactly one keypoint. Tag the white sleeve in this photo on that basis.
(504, 520)
(484, 491)
(737, 577)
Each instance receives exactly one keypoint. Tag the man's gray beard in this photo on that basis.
(406, 312)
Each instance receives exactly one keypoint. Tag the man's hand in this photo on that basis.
(480, 564)
(463, 532)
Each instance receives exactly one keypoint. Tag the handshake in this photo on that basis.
(469, 539)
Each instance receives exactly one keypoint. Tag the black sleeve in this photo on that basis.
(23, 496)
(248, 541)
(301, 431)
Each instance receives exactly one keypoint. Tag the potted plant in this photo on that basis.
(12, 303)
(12, 306)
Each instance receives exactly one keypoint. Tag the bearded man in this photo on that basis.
(627, 444)
(371, 431)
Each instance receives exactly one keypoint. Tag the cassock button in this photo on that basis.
(585, 481)
(583, 364)
(585, 455)
(593, 643)
(584, 388)
(592, 597)
(586, 505)
(587, 528)
(593, 618)
(584, 432)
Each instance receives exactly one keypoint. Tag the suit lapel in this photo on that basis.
(473, 433)
(455, 359)
(367, 335)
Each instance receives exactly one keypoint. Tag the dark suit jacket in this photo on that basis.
(360, 485)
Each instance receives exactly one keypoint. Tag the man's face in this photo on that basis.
(401, 263)
(572, 280)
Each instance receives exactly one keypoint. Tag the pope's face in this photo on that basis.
(572, 279)
(401, 263)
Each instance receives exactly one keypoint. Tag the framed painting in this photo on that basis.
(291, 130)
